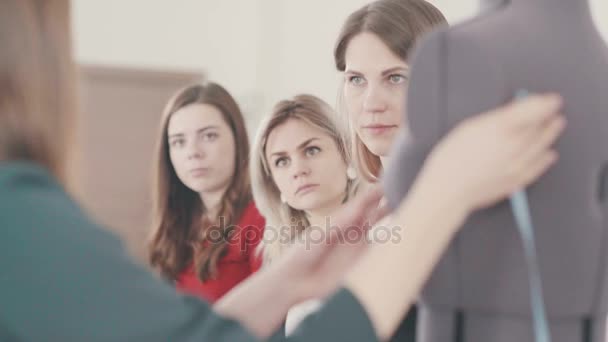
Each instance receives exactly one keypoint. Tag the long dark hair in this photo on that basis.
(180, 235)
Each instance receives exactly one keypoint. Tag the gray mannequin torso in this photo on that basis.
(479, 291)
(489, 5)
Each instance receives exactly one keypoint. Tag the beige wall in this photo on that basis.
(118, 130)
(265, 50)
(261, 50)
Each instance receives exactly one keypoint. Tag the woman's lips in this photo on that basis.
(304, 189)
(199, 172)
(379, 129)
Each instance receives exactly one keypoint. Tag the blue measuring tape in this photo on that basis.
(521, 212)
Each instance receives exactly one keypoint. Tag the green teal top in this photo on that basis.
(64, 278)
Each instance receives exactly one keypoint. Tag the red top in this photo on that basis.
(239, 262)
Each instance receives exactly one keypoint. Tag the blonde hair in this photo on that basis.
(399, 24)
(281, 218)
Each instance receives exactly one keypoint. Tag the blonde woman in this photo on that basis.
(301, 174)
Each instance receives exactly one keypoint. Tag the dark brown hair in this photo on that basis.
(180, 235)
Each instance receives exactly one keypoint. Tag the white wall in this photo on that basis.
(203, 36)
(261, 50)
(304, 59)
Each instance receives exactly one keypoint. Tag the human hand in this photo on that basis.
(489, 156)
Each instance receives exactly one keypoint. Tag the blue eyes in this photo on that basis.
(396, 78)
(312, 150)
(357, 80)
(309, 152)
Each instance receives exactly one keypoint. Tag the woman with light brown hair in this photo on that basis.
(300, 170)
(206, 225)
(63, 278)
(372, 52)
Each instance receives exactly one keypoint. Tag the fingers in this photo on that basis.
(360, 207)
(370, 199)
(378, 214)
(537, 168)
(542, 139)
(535, 151)
(353, 215)
(358, 213)
(530, 112)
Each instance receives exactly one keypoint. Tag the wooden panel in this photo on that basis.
(121, 110)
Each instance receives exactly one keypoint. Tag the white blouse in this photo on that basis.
(299, 312)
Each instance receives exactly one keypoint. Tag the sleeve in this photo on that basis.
(65, 279)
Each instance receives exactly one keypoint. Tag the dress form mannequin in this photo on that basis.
(489, 5)
(479, 290)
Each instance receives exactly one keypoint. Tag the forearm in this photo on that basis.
(259, 303)
(389, 278)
